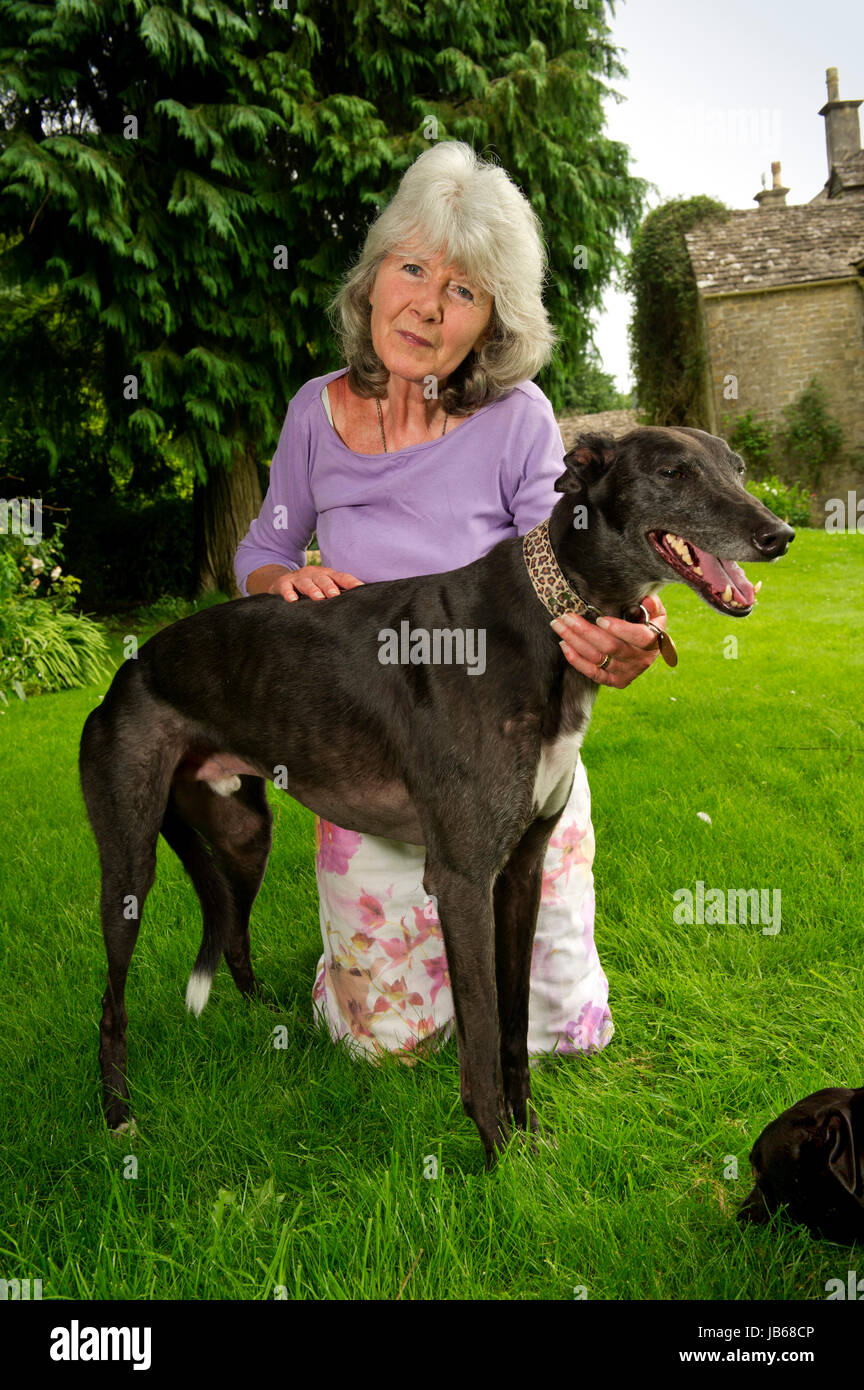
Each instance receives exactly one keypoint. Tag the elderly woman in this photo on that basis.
(432, 445)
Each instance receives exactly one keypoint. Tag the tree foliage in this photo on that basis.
(591, 390)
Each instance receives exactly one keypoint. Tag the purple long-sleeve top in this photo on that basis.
(419, 510)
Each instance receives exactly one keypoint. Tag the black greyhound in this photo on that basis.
(477, 770)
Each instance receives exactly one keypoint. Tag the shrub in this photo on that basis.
(44, 646)
(751, 439)
(591, 390)
(811, 437)
(790, 501)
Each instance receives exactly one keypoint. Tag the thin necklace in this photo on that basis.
(381, 423)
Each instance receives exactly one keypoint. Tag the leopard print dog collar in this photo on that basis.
(553, 591)
(550, 584)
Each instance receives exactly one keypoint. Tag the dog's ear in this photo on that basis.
(843, 1161)
(586, 461)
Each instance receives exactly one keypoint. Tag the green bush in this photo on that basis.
(790, 501)
(591, 390)
(810, 437)
(752, 439)
(44, 645)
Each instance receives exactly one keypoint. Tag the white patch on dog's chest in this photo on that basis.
(555, 773)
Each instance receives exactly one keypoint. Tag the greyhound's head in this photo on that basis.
(661, 506)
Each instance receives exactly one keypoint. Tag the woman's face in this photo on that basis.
(426, 316)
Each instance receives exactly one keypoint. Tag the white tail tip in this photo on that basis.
(197, 992)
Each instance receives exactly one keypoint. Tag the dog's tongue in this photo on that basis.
(723, 574)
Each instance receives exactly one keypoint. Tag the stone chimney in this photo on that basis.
(775, 196)
(842, 132)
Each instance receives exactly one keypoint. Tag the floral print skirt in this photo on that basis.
(382, 983)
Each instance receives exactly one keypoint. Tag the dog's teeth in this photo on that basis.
(681, 548)
(697, 569)
(727, 593)
(757, 587)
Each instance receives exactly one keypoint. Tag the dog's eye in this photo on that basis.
(673, 472)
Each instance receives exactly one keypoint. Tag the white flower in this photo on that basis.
(703, 815)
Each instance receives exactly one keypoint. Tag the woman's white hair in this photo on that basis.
(453, 202)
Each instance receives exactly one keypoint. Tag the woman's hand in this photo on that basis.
(315, 581)
(631, 647)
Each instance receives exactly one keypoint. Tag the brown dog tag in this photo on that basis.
(666, 645)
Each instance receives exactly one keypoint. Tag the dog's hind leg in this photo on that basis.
(125, 771)
(516, 898)
(223, 843)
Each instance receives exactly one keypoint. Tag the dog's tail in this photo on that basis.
(214, 897)
(198, 988)
(212, 949)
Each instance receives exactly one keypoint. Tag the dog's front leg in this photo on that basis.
(465, 912)
(517, 900)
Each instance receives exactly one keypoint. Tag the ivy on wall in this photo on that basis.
(800, 449)
(667, 350)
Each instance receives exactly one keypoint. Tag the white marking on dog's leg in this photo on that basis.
(197, 992)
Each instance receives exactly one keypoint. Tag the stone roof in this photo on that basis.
(778, 246)
(612, 422)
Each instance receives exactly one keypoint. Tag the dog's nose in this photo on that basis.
(774, 540)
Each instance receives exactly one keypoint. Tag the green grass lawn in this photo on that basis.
(259, 1167)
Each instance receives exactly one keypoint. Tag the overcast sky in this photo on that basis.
(714, 93)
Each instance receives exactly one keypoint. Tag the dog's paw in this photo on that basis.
(127, 1127)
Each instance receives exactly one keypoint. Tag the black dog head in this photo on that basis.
(811, 1160)
(662, 506)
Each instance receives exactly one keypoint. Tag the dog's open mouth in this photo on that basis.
(722, 583)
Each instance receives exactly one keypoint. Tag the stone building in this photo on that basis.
(782, 298)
